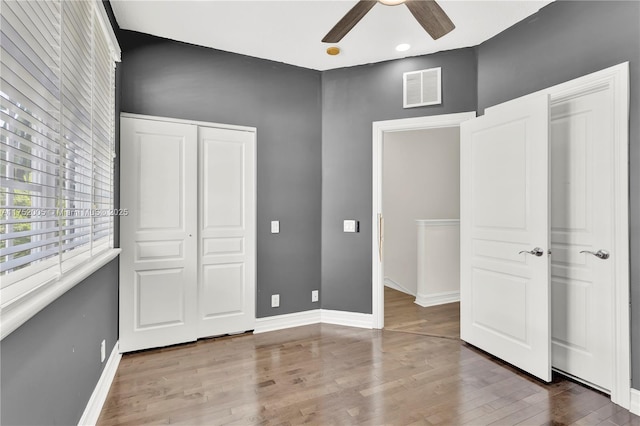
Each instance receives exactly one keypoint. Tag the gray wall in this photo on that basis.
(166, 78)
(565, 40)
(352, 99)
(51, 364)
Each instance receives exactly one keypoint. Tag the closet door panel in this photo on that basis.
(227, 231)
(158, 263)
(223, 175)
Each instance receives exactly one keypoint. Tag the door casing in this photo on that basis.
(379, 130)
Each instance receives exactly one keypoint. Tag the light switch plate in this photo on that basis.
(275, 226)
(350, 225)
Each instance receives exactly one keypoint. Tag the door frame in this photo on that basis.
(379, 130)
(615, 79)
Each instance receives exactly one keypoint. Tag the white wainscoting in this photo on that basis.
(99, 395)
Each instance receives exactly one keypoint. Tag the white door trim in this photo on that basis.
(379, 129)
(615, 78)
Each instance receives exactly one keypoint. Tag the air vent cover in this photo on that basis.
(422, 88)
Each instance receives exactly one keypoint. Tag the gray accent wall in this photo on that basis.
(51, 364)
(352, 99)
(565, 40)
(171, 79)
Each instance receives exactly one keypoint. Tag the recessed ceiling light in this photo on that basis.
(333, 50)
(403, 47)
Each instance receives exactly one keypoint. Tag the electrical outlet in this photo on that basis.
(275, 300)
(314, 296)
(275, 226)
(103, 350)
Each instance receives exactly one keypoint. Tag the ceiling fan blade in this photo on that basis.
(348, 21)
(431, 16)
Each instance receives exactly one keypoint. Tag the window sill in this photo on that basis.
(21, 310)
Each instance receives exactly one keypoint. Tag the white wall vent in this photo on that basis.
(422, 88)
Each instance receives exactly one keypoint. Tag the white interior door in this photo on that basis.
(504, 227)
(582, 199)
(227, 232)
(158, 263)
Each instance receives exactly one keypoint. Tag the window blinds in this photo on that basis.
(57, 119)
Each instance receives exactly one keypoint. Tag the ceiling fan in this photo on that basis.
(427, 12)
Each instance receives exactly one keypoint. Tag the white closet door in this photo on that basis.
(504, 235)
(158, 263)
(582, 196)
(227, 231)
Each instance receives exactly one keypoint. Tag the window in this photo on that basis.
(57, 142)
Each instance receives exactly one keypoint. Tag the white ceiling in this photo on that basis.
(290, 31)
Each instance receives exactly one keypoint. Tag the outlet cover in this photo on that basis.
(275, 300)
(275, 226)
(314, 296)
(103, 350)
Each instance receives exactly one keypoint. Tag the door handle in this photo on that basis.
(600, 254)
(537, 251)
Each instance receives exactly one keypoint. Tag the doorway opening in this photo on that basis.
(380, 130)
(421, 205)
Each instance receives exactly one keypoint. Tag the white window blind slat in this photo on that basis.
(28, 139)
(37, 43)
(21, 157)
(10, 113)
(18, 83)
(15, 46)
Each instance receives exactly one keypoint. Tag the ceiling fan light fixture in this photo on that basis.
(403, 47)
(391, 2)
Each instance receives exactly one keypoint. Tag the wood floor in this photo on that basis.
(402, 314)
(332, 375)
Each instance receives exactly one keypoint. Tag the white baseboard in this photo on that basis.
(280, 322)
(316, 316)
(434, 299)
(388, 282)
(350, 319)
(634, 407)
(99, 395)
